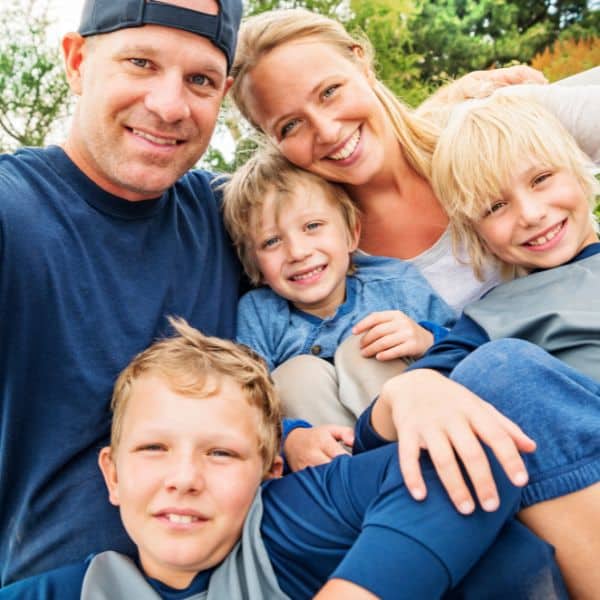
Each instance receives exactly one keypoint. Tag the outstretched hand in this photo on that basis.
(425, 410)
(391, 334)
(309, 447)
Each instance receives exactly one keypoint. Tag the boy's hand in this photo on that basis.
(425, 410)
(316, 445)
(391, 334)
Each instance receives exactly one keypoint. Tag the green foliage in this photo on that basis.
(33, 90)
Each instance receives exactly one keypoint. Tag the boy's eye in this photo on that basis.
(313, 225)
(288, 128)
(494, 207)
(541, 178)
(221, 453)
(143, 63)
(269, 243)
(151, 447)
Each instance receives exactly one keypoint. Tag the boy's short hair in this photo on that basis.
(193, 364)
(477, 154)
(244, 196)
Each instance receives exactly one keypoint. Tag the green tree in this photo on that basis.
(33, 89)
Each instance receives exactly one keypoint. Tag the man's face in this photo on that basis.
(149, 99)
(184, 475)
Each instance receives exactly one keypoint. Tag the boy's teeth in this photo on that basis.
(307, 275)
(543, 239)
(181, 518)
(153, 138)
(348, 149)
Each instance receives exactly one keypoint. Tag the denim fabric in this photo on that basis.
(276, 330)
(554, 404)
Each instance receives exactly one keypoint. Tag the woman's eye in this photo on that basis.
(329, 91)
(288, 127)
(312, 226)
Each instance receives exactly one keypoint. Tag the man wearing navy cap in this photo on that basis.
(100, 239)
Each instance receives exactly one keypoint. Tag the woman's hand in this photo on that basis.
(390, 334)
(424, 410)
(309, 447)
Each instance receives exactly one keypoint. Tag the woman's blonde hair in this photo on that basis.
(483, 146)
(193, 364)
(262, 33)
(269, 172)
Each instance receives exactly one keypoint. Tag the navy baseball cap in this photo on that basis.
(104, 16)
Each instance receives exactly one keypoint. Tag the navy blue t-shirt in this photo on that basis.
(86, 282)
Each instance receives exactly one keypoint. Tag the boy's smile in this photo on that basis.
(184, 475)
(542, 220)
(303, 248)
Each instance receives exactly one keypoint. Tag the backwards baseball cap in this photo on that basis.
(104, 16)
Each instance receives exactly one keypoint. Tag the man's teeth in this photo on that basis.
(349, 147)
(154, 139)
(186, 519)
(307, 275)
(544, 239)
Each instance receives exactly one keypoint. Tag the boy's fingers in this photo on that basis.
(504, 448)
(476, 463)
(445, 463)
(521, 439)
(409, 452)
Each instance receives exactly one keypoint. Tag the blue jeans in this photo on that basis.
(554, 404)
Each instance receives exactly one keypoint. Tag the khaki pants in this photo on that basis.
(315, 390)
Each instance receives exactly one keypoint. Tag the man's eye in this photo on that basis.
(201, 80)
(143, 63)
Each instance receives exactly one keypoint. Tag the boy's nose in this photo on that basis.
(185, 475)
(531, 210)
(297, 250)
(166, 99)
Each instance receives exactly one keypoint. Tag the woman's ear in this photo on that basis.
(363, 63)
(109, 472)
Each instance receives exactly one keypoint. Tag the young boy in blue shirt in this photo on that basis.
(332, 324)
(518, 189)
(196, 428)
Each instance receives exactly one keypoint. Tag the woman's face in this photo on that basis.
(321, 110)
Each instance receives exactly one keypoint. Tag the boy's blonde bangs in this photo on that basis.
(194, 365)
(485, 144)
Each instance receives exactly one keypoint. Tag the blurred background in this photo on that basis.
(419, 44)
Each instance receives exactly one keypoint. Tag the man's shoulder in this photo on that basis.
(63, 583)
(384, 268)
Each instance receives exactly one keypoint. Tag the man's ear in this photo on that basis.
(73, 53)
(276, 471)
(109, 472)
(228, 84)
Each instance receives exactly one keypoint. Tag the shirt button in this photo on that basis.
(316, 349)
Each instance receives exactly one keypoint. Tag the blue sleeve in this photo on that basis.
(251, 331)
(465, 337)
(438, 332)
(59, 584)
(365, 436)
(354, 519)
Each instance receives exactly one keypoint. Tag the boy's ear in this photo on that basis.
(109, 472)
(354, 237)
(276, 471)
(73, 53)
